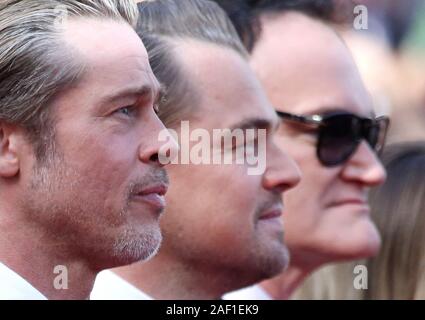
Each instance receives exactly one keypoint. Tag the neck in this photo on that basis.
(284, 285)
(31, 254)
(165, 278)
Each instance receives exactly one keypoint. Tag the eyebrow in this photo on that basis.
(254, 123)
(156, 92)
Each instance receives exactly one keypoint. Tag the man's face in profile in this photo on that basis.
(327, 215)
(99, 190)
(219, 218)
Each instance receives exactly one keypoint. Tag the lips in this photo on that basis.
(272, 213)
(356, 204)
(160, 190)
(354, 201)
(153, 196)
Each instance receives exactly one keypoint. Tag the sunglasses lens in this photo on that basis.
(373, 136)
(338, 139)
(381, 128)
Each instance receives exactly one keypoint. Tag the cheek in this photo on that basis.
(96, 142)
(220, 198)
(104, 163)
(102, 145)
(314, 177)
(305, 203)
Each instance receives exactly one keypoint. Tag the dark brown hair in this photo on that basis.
(245, 14)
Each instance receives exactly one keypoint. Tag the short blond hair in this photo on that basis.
(35, 62)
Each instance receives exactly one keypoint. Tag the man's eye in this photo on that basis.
(127, 111)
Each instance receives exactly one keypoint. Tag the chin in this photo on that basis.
(351, 243)
(371, 246)
(372, 240)
(362, 247)
(136, 245)
(275, 262)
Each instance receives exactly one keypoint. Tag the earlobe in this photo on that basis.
(9, 159)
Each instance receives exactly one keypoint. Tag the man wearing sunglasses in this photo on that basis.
(339, 133)
(327, 125)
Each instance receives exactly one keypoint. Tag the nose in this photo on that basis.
(156, 140)
(364, 167)
(282, 173)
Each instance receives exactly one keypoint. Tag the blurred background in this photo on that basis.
(391, 58)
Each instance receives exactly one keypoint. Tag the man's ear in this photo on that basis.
(10, 144)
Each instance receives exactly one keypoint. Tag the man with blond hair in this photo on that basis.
(81, 186)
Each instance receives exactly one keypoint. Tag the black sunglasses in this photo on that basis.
(340, 133)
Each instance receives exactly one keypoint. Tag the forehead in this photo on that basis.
(306, 73)
(228, 89)
(112, 53)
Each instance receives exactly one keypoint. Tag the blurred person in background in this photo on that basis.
(398, 209)
(392, 68)
(328, 126)
(390, 20)
(222, 228)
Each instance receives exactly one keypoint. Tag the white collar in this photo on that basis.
(14, 287)
(254, 292)
(109, 286)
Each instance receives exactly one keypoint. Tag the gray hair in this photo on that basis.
(35, 62)
(161, 24)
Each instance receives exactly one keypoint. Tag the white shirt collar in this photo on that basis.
(14, 287)
(109, 286)
(254, 292)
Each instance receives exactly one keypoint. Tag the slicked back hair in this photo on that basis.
(36, 63)
(162, 23)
